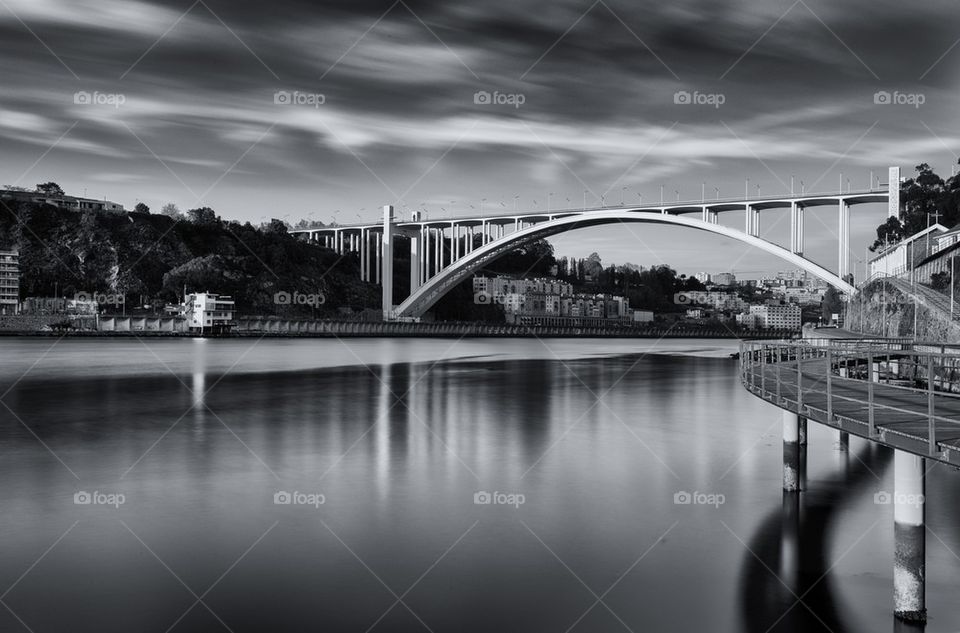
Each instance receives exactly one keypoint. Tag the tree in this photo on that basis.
(832, 304)
(203, 215)
(141, 208)
(172, 210)
(50, 189)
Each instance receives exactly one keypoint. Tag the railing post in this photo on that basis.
(777, 366)
(871, 426)
(763, 369)
(931, 418)
(829, 387)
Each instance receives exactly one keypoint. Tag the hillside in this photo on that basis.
(151, 258)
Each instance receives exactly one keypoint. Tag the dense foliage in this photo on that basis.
(151, 258)
(926, 199)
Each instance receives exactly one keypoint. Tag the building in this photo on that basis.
(207, 312)
(703, 277)
(723, 279)
(48, 194)
(897, 260)
(775, 317)
(9, 281)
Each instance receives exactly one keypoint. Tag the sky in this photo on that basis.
(328, 110)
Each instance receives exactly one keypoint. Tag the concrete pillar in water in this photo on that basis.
(909, 536)
(791, 451)
(844, 441)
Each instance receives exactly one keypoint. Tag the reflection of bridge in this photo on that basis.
(893, 392)
(446, 251)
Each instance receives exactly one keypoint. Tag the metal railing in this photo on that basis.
(919, 380)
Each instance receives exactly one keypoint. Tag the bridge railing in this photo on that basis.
(793, 374)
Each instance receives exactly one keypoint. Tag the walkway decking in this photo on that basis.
(902, 417)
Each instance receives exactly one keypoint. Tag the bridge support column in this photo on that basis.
(364, 255)
(416, 265)
(378, 258)
(796, 228)
(426, 253)
(909, 535)
(387, 265)
(438, 252)
(844, 234)
(791, 452)
(455, 230)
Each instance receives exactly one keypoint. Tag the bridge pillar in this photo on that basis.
(426, 253)
(791, 451)
(796, 227)
(893, 192)
(909, 534)
(416, 265)
(387, 265)
(844, 234)
(364, 252)
(377, 256)
(455, 231)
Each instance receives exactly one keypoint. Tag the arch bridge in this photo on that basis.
(445, 251)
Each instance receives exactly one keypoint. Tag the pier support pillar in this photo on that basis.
(791, 451)
(909, 536)
(844, 234)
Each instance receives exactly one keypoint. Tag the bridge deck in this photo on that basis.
(901, 416)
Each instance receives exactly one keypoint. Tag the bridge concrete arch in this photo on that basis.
(433, 290)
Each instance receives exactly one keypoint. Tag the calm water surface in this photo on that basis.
(399, 436)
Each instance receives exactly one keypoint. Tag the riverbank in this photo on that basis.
(277, 328)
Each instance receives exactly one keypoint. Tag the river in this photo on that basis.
(432, 485)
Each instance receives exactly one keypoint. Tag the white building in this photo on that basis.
(206, 311)
(893, 261)
(776, 317)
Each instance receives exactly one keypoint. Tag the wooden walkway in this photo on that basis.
(903, 417)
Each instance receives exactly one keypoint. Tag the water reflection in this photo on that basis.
(786, 581)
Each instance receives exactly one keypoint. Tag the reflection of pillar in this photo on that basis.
(844, 441)
(387, 264)
(791, 451)
(790, 542)
(909, 558)
(415, 264)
